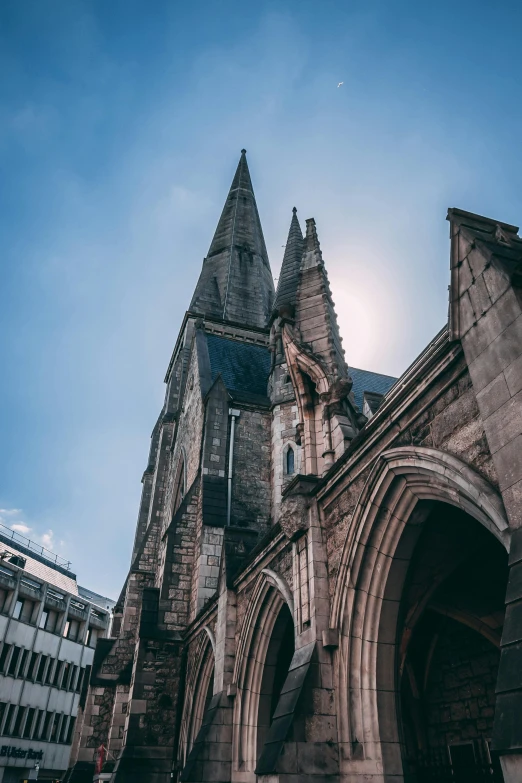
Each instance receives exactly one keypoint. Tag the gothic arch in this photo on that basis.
(311, 384)
(380, 541)
(197, 686)
(290, 444)
(180, 481)
(270, 594)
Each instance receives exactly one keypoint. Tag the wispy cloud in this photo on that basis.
(133, 139)
(21, 527)
(47, 538)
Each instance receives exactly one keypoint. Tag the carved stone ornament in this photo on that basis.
(295, 515)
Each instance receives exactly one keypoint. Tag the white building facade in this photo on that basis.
(48, 632)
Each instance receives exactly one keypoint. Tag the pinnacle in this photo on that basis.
(312, 240)
(313, 281)
(289, 275)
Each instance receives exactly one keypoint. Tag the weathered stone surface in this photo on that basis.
(348, 560)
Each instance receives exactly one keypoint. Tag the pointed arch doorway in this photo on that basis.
(447, 650)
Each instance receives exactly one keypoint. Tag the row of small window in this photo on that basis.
(17, 662)
(24, 610)
(32, 723)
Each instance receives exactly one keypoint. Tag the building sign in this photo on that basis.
(19, 753)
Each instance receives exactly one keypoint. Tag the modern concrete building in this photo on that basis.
(326, 579)
(48, 632)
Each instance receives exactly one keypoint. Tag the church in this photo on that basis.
(326, 577)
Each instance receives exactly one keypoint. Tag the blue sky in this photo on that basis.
(121, 123)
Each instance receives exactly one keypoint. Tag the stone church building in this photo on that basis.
(326, 579)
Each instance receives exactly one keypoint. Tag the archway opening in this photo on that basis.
(201, 697)
(447, 652)
(277, 662)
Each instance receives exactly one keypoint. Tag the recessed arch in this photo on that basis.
(381, 537)
(180, 481)
(291, 445)
(198, 690)
(270, 594)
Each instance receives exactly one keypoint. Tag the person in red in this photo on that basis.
(100, 759)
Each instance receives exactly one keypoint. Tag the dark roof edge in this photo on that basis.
(209, 319)
(35, 556)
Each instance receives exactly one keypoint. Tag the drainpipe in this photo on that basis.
(234, 413)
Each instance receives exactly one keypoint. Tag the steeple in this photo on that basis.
(289, 275)
(236, 282)
(314, 313)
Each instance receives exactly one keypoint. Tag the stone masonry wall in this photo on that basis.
(251, 490)
(175, 578)
(189, 433)
(460, 699)
(285, 418)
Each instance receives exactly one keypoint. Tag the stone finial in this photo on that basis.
(312, 250)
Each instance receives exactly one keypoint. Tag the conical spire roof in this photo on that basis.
(289, 275)
(236, 282)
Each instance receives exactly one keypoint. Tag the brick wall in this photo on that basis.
(460, 697)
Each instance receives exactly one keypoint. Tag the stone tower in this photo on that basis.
(316, 594)
(248, 377)
(209, 468)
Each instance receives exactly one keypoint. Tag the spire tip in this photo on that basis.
(243, 152)
(294, 210)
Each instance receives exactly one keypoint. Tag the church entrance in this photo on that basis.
(449, 631)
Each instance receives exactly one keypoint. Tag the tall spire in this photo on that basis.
(289, 275)
(236, 282)
(314, 313)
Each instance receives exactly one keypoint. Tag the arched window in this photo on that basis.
(290, 461)
(179, 490)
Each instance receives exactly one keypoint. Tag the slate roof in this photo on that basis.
(243, 367)
(366, 381)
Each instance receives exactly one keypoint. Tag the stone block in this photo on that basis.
(505, 423)
(321, 728)
(496, 280)
(508, 462)
(391, 758)
(507, 733)
(513, 375)
(317, 758)
(479, 296)
(493, 396)
(514, 588)
(510, 669)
